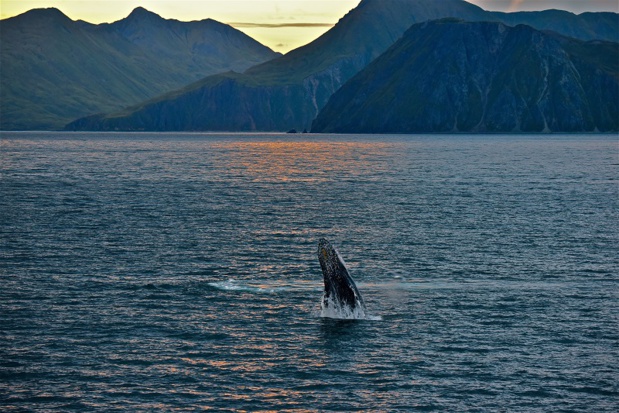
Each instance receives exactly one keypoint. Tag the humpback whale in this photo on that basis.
(341, 298)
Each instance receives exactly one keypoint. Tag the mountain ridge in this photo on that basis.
(289, 92)
(54, 68)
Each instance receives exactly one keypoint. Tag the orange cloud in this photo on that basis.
(515, 5)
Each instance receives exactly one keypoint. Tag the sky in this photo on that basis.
(280, 24)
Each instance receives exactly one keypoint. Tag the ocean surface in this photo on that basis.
(163, 272)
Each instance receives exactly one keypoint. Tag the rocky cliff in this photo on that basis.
(455, 76)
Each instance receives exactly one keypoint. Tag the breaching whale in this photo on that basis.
(341, 298)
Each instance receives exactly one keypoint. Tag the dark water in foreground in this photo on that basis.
(160, 272)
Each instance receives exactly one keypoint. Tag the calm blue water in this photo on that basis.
(153, 272)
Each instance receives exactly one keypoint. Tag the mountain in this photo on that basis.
(55, 69)
(585, 26)
(456, 76)
(288, 92)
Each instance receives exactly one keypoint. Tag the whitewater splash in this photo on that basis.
(330, 308)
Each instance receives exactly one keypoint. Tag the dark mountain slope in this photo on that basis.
(289, 92)
(363, 34)
(55, 69)
(454, 76)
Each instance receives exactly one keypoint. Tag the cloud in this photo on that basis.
(515, 5)
(247, 25)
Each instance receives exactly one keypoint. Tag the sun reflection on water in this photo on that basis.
(304, 161)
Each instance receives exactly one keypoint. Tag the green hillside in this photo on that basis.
(55, 69)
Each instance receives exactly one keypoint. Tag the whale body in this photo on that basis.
(341, 297)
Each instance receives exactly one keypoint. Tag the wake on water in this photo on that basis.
(328, 308)
(234, 285)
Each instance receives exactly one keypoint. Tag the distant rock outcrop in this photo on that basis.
(54, 69)
(455, 76)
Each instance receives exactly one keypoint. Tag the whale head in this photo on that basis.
(340, 289)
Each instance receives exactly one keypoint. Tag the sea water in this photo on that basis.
(159, 272)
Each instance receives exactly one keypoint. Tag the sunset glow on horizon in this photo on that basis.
(281, 25)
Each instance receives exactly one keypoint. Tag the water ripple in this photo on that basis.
(156, 272)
